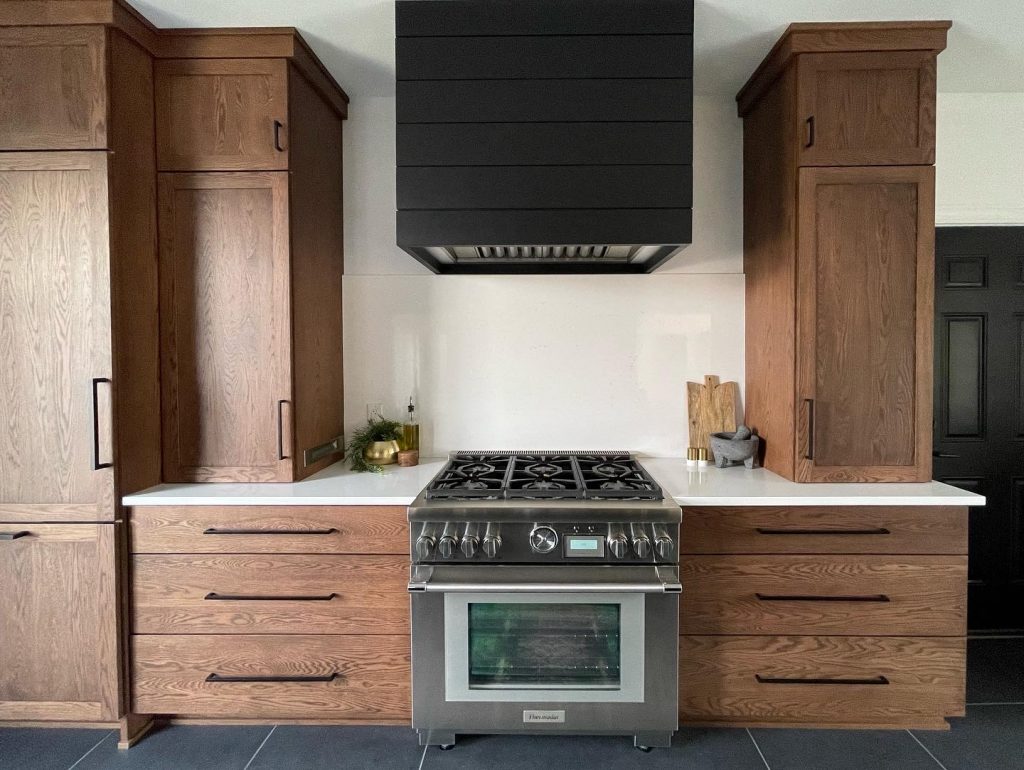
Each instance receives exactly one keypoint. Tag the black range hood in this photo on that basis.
(544, 136)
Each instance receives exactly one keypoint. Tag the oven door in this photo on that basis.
(543, 634)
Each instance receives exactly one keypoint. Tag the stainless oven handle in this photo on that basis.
(647, 580)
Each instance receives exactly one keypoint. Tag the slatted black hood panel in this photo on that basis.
(540, 136)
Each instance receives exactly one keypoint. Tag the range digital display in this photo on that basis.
(584, 545)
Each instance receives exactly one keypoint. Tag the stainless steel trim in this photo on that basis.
(314, 454)
(545, 579)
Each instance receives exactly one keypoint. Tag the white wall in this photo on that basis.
(529, 361)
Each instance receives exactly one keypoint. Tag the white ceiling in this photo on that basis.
(355, 38)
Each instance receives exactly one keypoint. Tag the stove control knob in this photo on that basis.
(469, 546)
(543, 539)
(446, 546)
(664, 546)
(424, 546)
(491, 545)
(618, 545)
(642, 546)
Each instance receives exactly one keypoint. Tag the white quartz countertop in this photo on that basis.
(739, 486)
(337, 485)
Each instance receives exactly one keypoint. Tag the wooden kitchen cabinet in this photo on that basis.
(251, 267)
(59, 654)
(839, 220)
(222, 114)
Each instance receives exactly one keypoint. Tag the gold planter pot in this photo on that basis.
(382, 452)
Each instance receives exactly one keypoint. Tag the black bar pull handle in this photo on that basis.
(809, 402)
(213, 596)
(219, 531)
(280, 430)
(96, 464)
(810, 132)
(821, 680)
(810, 598)
(215, 677)
(944, 455)
(13, 535)
(872, 531)
(278, 125)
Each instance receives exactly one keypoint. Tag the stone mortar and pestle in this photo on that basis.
(735, 448)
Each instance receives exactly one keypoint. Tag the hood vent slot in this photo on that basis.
(565, 123)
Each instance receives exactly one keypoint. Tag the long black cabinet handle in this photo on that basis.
(278, 125)
(280, 431)
(809, 455)
(837, 680)
(215, 677)
(873, 531)
(219, 531)
(213, 596)
(809, 598)
(810, 132)
(96, 464)
(13, 535)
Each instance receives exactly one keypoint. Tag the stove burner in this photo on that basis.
(543, 484)
(476, 469)
(543, 469)
(611, 469)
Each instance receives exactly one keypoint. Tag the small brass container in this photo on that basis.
(382, 452)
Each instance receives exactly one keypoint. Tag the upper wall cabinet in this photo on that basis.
(53, 88)
(862, 109)
(222, 114)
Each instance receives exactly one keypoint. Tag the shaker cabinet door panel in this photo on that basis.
(222, 114)
(225, 329)
(863, 109)
(864, 310)
(55, 388)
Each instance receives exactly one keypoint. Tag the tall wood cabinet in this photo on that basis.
(839, 219)
(250, 268)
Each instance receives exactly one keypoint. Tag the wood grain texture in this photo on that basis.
(133, 248)
(866, 109)
(866, 240)
(219, 114)
(925, 595)
(317, 241)
(717, 680)
(369, 594)
(373, 679)
(712, 408)
(881, 37)
(58, 622)
(55, 334)
(821, 530)
(225, 326)
(53, 88)
(345, 530)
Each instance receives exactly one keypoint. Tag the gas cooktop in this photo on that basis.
(543, 476)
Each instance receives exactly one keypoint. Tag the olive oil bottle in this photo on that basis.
(411, 429)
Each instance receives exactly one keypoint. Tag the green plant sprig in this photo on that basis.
(374, 430)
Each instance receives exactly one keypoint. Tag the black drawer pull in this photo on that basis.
(806, 598)
(215, 677)
(212, 596)
(796, 680)
(219, 531)
(877, 531)
(13, 535)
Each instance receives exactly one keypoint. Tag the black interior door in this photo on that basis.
(979, 406)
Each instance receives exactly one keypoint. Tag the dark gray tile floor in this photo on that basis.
(990, 737)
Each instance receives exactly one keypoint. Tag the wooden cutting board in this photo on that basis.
(712, 407)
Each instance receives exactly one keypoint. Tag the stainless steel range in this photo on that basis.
(545, 598)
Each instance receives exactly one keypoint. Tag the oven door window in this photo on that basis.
(544, 647)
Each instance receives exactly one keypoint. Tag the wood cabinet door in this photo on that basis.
(225, 326)
(53, 88)
(58, 622)
(55, 385)
(865, 277)
(221, 114)
(866, 109)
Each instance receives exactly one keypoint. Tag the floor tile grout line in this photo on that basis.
(927, 750)
(759, 752)
(90, 751)
(423, 757)
(259, 748)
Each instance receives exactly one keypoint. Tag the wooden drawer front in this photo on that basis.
(821, 679)
(840, 529)
(53, 93)
(883, 595)
(273, 594)
(331, 677)
(270, 529)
